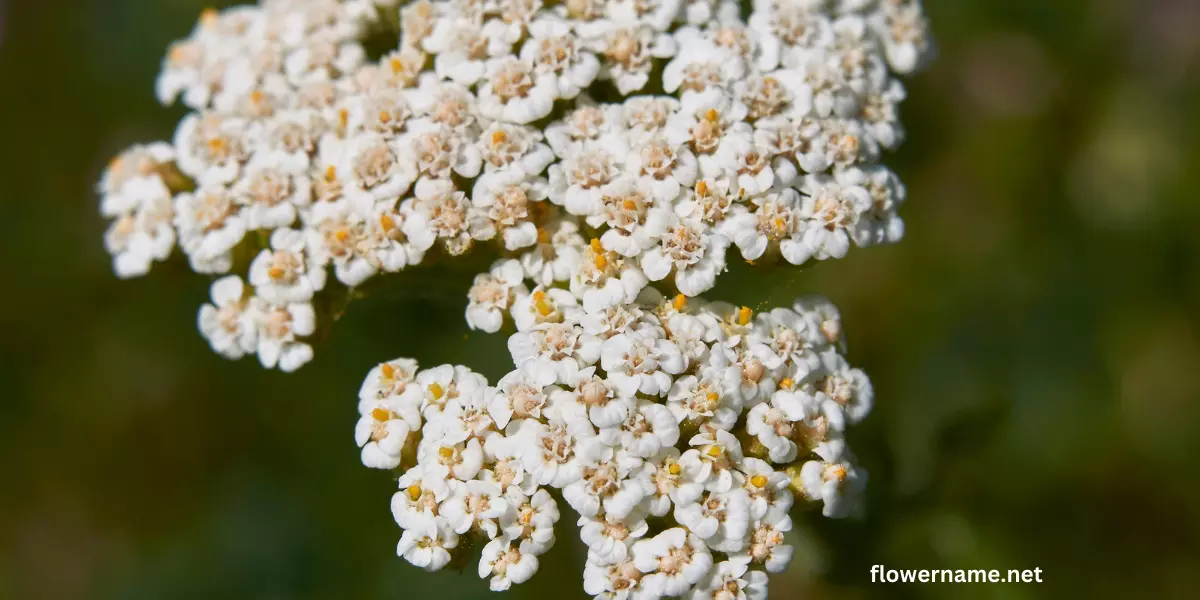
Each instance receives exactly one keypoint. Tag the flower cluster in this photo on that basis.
(612, 153)
(678, 430)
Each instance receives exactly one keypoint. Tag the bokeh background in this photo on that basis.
(1034, 342)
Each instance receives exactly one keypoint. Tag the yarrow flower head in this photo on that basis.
(613, 157)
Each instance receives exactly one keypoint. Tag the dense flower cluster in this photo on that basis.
(613, 153)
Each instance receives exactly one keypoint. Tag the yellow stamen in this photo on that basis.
(601, 262)
(275, 273)
(341, 235)
(701, 188)
(381, 414)
(436, 390)
(445, 452)
(714, 451)
(787, 383)
(414, 492)
(758, 481)
(680, 302)
(743, 315)
(673, 468)
(208, 17)
(386, 222)
(331, 173)
(596, 245)
(385, 116)
(629, 204)
(712, 115)
(257, 96)
(712, 396)
(499, 137)
(539, 302)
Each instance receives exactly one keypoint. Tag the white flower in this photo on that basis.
(833, 211)
(388, 381)
(767, 488)
(609, 537)
(522, 393)
(721, 519)
(441, 151)
(563, 344)
(849, 388)
(671, 484)
(577, 183)
(731, 580)
(629, 49)
(548, 453)
(835, 484)
(474, 503)
(278, 329)
(776, 221)
(767, 545)
(144, 235)
(700, 64)
(531, 519)
(689, 249)
(508, 146)
(618, 581)
(508, 197)
(513, 91)
(377, 170)
(880, 224)
(712, 459)
(418, 498)
(460, 49)
(448, 214)
(557, 255)
(507, 562)
(553, 49)
(270, 195)
(552, 305)
(649, 428)
(425, 544)
(673, 562)
(381, 434)
(229, 323)
(491, 295)
(641, 361)
(285, 273)
(605, 481)
(210, 147)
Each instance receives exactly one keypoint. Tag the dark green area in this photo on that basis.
(1034, 342)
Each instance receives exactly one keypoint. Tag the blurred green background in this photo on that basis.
(1034, 342)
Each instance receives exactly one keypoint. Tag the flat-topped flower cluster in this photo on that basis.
(612, 153)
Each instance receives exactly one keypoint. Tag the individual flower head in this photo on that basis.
(449, 215)
(554, 50)
(609, 538)
(285, 272)
(280, 329)
(553, 305)
(836, 485)
(565, 345)
(382, 434)
(767, 546)
(377, 170)
(270, 196)
(507, 562)
(849, 388)
(507, 146)
(474, 504)
(731, 580)
(388, 381)
(712, 460)
(515, 92)
(143, 235)
(511, 199)
(492, 294)
(629, 50)
(522, 394)
(531, 519)
(670, 483)
(426, 544)
(832, 211)
(229, 323)
(605, 481)
(640, 360)
(721, 519)
(648, 429)
(211, 148)
(690, 250)
(767, 488)
(673, 561)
